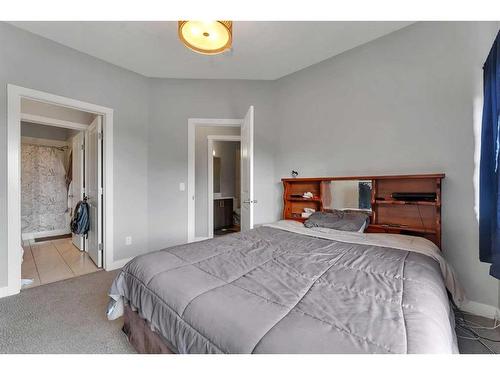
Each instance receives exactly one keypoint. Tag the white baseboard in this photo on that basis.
(118, 264)
(481, 309)
(47, 233)
(5, 292)
(198, 239)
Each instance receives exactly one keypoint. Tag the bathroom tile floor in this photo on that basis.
(50, 261)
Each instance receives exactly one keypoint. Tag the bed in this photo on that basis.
(285, 288)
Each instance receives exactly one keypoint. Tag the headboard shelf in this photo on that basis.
(402, 228)
(393, 201)
(295, 199)
(388, 215)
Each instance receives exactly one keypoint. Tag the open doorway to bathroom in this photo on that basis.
(202, 133)
(58, 165)
(210, 202)
(224, 154)
(51, 110)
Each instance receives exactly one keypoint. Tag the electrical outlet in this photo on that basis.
(182, 186)
(128, 240)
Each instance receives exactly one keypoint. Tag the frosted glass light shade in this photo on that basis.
(206, 37)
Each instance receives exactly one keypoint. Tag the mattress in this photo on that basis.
(284, 288)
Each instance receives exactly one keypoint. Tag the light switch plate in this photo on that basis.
(182, 186)
(128, 240)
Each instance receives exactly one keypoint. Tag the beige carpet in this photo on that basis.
(68, 316)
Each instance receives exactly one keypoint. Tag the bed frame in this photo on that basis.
(141, 336)
(388, 215)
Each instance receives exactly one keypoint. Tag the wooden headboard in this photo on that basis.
(388, 215)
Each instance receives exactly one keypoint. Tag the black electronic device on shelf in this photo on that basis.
(427, 197)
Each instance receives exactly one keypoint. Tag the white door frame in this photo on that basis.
(193, 123)
(43, 120)
(210, 175)
(14, 96)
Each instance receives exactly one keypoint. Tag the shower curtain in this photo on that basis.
(43, 189)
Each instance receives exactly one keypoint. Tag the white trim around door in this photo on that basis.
(42, 120)
(210, 175)
(193, 123)
(14, 116)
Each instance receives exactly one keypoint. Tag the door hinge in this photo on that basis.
(82, 147)
(100, 135)
(99, 247)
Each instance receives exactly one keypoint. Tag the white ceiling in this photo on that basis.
(261, 50)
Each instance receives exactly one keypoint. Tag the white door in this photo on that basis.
(93, 189)
(247, 198)
(77, 190)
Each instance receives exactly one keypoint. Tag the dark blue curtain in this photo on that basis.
(489, 174)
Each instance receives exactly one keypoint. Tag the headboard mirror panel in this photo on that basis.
(349, 194)
(402, 204)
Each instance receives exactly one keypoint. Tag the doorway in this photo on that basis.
(59, 169)
(199, 203)
(88, 138)
(224, 184)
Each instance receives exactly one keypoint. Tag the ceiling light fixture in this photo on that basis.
(206, 37)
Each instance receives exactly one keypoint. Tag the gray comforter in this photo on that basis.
(274, 291)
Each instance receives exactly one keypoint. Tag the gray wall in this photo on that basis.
(34, 62)
(201, 173)
(401, 104)
(172, 103)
